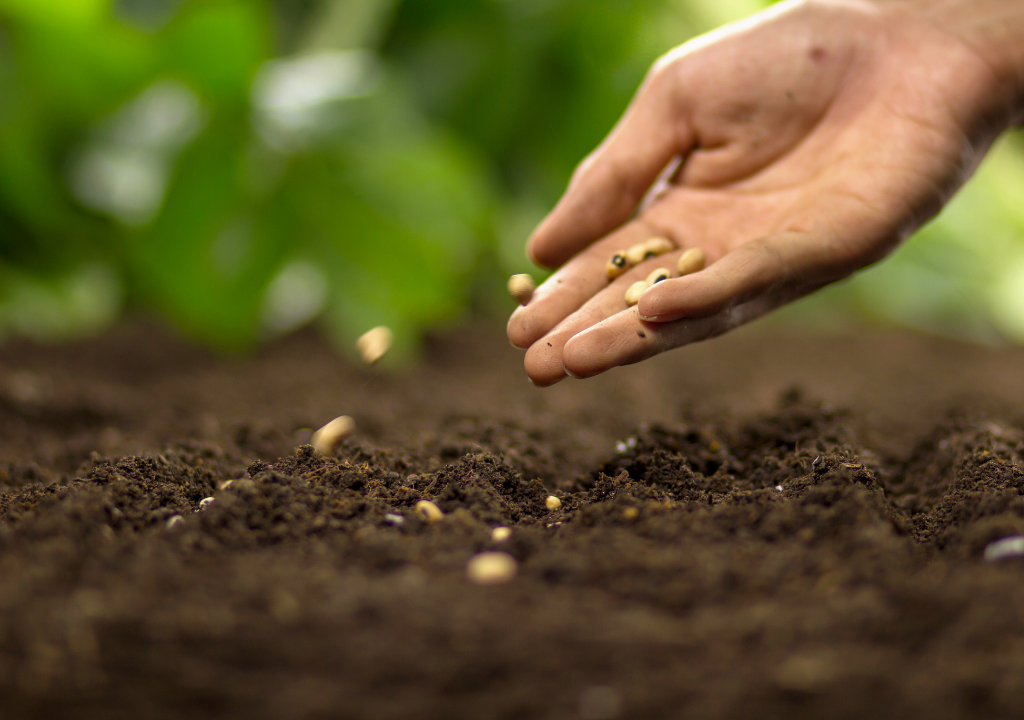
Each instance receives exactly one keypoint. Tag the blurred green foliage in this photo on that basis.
(243, 167)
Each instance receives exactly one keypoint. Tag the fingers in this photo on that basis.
(543, 361)
(609, 185)
(756, 268)
(571, 286)
(749, 282)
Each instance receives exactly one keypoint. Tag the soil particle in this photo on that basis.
(736, 547)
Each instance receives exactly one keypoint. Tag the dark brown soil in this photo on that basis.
(770, 525)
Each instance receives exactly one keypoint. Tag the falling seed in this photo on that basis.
(630, 513)
(175, 520)
(326, 439)
(658, 276)
(521, 287)
(635, 291)
(205, 503)
(501, 533)
(691, 261)
(1008, 547)
(553, 503)
(430, 512)
(392, 519)
(617, 265)
(374, 344)
(491, 568)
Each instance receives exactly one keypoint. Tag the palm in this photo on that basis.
(813, 142)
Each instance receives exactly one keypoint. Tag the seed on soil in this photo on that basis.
(392, 519)
(617, 265)
(635, 291)
(501, 533)
(175, 520)
(225, 485)
(205, 503)
(658, 276)
(691, 261)
(521, 287)
(374, 344)
(430, 512)
(630, 513)
(491, 568)
(552, 503)
(326, 439)
(1008, 547)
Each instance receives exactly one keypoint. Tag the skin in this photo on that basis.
(800, 146)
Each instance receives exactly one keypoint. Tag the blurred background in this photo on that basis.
(245, 168)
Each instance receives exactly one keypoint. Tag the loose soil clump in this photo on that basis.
(742, 531)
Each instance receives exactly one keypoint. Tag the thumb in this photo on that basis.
(608, 185)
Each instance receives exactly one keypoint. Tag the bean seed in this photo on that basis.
(430, 512)
(374, 344)
(205, 503)
(635, 291)
(552, 503)
(521, 287)
(393, 519)
(1008, 547)
(326, 439)
(691, 261)
(635, 254)
(658, 275)
(175, 520)
(501, 533)
(491, 568)
(657, 246)
(630, 513)
(617, 265)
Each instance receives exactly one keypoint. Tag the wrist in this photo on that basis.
(992, 29)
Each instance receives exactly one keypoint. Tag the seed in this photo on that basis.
(635, 291)
(658, 275)
(617, 265)
(1008, 547)
(327, 438)
(521, 287)
(501, 533)
(657, 246)
(374, 344)
(392, 519)
(205, 503)
(630, 513)
(491, 568)
(430, 512)
(225, 485)
(175, 520)
(636, 254)
(553, 503)
(691, 261)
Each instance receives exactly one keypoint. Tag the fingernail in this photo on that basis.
(571, 374)
(648, 319)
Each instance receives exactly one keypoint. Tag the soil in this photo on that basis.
(774, 524)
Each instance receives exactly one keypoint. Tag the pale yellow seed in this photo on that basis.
(429, 511)
(491, 568)
(659, 246)
(635, 291)
(553, 503)
(691, 261)
(521, 287)
(206, 502)
(374, 344)
(630, 513)
(635, 254)
(175, 520)
(617, 265)
(659, 275)
(501, 533)
(327, 438)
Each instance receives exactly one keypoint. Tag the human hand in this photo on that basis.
(813, 138)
